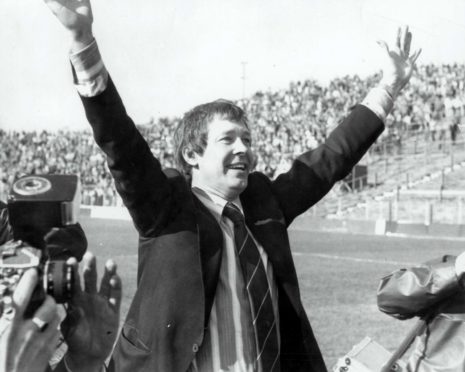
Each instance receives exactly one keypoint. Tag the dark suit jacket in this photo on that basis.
(180, 243)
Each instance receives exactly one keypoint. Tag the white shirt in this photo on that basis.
(229, 342)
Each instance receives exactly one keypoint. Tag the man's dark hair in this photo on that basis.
(192, 130)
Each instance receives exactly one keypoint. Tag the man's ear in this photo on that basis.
(190, 156)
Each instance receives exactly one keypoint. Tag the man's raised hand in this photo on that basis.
(76, 16)
(400, 63)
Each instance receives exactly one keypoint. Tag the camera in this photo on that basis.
(36, 204)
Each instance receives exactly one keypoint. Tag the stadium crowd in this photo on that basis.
(284, 123)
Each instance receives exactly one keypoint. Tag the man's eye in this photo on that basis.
(247, 141)
(226, 139)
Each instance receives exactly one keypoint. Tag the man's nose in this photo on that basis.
(240, 146)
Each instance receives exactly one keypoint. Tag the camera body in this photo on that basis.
(37, 204)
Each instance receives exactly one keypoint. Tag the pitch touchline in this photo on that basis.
(354, 259)
(322, 255)
(123, 256)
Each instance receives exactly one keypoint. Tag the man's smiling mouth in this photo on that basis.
(238, 166)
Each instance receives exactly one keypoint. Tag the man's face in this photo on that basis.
(227, 160)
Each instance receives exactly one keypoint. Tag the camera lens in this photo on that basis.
(59, 280)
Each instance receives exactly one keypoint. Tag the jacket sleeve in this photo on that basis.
(138, 176)
(406, 293)
(315, 172)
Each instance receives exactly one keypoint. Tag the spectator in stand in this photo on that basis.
(453, 112)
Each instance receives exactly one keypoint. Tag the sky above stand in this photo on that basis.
(166, 56)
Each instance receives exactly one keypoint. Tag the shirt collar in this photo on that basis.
(214, 203)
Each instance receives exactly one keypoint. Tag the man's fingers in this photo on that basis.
(109, 271)
(407, 42)
(384, 45)
(45, 315)
(399, 38)
(400, 42)
(89, 273)
(54, 5)
(116, 292)
(44, 340)
(48, 310)
(110, 286)
(53, 333)
(414, 57)
(24, 289)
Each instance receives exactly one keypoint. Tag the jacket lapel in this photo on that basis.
(265, 220)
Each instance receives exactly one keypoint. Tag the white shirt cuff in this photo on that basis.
(380, 101)
(460, 265)
(89, 72)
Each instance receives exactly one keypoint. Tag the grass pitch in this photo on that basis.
(338, 276)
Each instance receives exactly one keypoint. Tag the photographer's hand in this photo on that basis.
(26, 345)
(91, 327)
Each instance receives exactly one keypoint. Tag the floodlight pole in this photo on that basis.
(243, 77)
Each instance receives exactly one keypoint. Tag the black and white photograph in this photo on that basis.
(219, 186)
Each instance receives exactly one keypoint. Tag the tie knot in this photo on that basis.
(233, 213)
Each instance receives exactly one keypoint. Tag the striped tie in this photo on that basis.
(258, 291)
